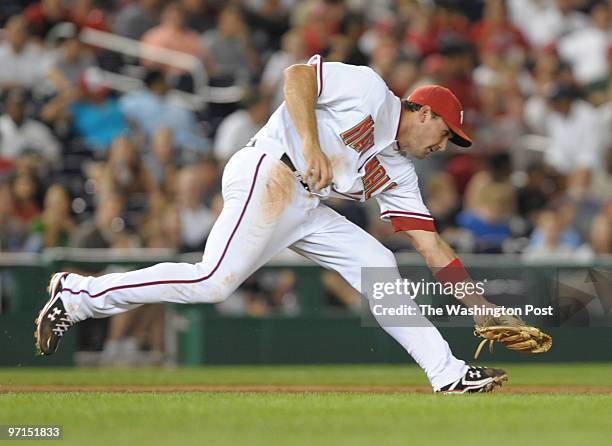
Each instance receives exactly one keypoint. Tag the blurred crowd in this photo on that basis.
(85, 165)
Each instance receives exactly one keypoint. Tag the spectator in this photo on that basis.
(443, 203)
(95, 115)
(264, 294)
(587, 49)
(232, 56)
(384, 29)
(544, 21)
(85, 14)
(196, 219)
(449, 24)
(535, 193)
(489, 221)
(352, 27)
(322, 21)
(161, 228)
(601, 232)
(198, 15)
(573, 123)
(291, 52)
(271, 293)
(238, 128)
(209, 174)
(584, 204)
(404, 75)
(551, 241)
(545, 74)
(384, 57)
(54, 226)
(73, 58)
(151, 109)
(162, 160)
(11, 229)
(25, 197)
(268, 21)
(100, 230)
(124, 171)
(21, 136)
(499, 121)
(497, 169)
(453, 68)
(24, 64)
(173, 34)
(495, 32)
(134, 20)
(44, 15)
(418, 38)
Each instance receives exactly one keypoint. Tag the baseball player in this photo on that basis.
(340, 132)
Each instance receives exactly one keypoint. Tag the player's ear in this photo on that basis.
(424, 112)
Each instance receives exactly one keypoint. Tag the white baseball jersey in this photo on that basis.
(357, 120)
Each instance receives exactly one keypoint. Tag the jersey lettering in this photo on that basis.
(361, 136)
(375, 177)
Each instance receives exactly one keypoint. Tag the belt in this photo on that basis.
(287, 161)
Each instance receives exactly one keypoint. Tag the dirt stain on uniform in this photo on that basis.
(229, 279)
(340, 164)
(280, 190)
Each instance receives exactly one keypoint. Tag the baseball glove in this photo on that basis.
(513, 333)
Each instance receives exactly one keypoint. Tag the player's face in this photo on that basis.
(427, 134)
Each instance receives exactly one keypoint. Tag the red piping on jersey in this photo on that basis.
(406, 213)
(200, 279)
(318, 67)
(411, 224)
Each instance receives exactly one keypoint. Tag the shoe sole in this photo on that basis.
(495, 383)
(53, 283)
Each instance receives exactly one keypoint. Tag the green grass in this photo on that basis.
(595, 374)
(184, 418)
(306, 419)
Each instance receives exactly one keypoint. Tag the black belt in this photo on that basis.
(287, 161)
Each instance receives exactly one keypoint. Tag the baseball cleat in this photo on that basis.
(476, 380)
(52, 321)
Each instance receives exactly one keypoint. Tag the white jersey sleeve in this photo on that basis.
(403, 206)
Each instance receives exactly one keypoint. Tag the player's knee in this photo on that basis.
(209, 293)
(220, 291)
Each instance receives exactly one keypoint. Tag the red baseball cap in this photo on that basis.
(446, 105)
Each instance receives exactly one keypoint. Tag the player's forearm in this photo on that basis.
(443, 262)
(446, 257)
(301, 97)
(300, 89)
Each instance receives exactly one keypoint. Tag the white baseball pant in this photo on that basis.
(265, 210)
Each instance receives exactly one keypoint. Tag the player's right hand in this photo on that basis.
(319, 172)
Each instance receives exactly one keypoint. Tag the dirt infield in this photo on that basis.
(5, 389)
